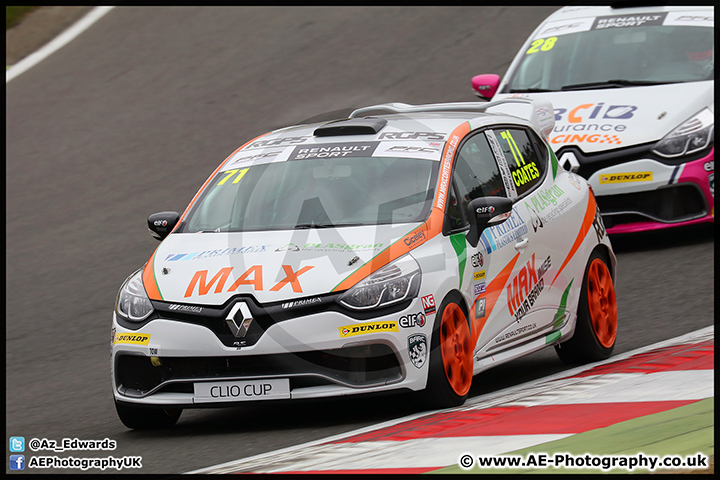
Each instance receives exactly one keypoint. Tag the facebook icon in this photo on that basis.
(17, 462)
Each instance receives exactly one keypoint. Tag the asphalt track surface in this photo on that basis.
(131, 117)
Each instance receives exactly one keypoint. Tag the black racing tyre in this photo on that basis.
(596, 327)
(146, 418)
(451, 356)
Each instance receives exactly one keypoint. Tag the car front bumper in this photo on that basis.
(168, 358)
(648, 195)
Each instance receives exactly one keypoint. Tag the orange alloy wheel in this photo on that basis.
(601, 303)
(455, 349)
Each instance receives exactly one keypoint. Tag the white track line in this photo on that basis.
(503, 395)
(57, 43)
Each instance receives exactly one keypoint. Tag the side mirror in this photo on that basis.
(486, 212)
(486, 85)
(161, 224)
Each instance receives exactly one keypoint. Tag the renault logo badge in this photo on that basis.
(239, 319)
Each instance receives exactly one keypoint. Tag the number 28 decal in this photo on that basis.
(543, 44)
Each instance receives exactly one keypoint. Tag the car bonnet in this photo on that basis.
(210, 268)
(598, 120)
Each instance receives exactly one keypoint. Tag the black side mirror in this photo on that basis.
(162, 223)
(486, 212)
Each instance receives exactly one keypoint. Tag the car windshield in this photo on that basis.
(316, 193)
(614, 57)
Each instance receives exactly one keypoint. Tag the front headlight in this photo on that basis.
(692, 136)
(393, 283)
(132, 302)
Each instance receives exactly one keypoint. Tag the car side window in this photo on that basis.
(476, 174)
(527, 167)
(454, 217)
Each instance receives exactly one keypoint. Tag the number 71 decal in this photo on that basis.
(230, 173)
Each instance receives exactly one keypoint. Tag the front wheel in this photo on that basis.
(596, 327)
(451, 366)
(144, 418)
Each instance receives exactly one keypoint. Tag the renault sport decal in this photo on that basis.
(624, 21)
(334, 150)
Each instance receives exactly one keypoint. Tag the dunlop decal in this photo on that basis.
(369, 327)
(626, 177)
(132, 338)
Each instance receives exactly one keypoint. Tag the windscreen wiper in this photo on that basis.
(529, 90)
(304, 226)
(611, 84)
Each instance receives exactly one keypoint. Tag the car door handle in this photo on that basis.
(522, 244)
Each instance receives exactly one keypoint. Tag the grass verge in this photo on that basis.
(13, 15)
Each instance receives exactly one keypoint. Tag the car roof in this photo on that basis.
(416, 122)
(375, 122)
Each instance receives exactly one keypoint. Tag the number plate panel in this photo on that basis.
(242, 390)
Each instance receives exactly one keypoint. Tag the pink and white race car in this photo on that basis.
(633, 93)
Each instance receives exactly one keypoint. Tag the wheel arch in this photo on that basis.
(456, 296)
(609, 255)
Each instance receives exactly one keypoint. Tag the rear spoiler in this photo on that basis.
(538, 112)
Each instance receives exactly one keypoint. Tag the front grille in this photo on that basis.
(355, 366)
(674, 203)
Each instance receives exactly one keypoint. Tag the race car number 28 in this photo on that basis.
(542, 44)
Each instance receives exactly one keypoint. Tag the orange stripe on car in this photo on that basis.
(429, 229)
(492, 293)
(415, 238)
(149, 281)
(584, 229)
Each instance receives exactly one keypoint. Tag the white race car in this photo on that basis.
(633, 91)
(408, 249)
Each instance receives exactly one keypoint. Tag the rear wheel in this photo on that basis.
(143, 418)
(596, 328)
(451, 366)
